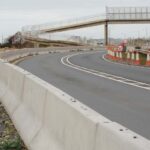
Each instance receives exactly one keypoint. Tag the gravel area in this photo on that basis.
(9, 138)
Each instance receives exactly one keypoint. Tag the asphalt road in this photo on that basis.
(126, 104)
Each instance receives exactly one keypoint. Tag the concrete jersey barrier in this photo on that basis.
(11, 55)
(49, 119)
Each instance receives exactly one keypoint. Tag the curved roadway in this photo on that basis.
(119, 92)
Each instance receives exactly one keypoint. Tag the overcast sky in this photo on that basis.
(17, 13)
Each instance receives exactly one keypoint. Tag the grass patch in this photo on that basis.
(13, 144)
(9, 138)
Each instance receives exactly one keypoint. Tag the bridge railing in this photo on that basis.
(41, 27)
(112, 13)
(127, 13)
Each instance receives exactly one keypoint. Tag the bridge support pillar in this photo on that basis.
(106, 33)
(36, 45)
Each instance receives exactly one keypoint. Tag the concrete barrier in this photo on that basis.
(134, 57)
(11, 55)
(14, 87)
(148, 59)
(128, 56)
(4, 79)
(66, 124)
(49, 119)
(28, 117)
(110, 54)
(137, 59)
(120, 55)
(113, 136)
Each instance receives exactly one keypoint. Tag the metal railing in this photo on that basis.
(127, 13)
(112, 13)
(69, 22)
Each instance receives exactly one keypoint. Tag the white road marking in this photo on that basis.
(65, 61)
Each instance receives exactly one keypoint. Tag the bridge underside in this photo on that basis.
(94, 23)
(47, 43)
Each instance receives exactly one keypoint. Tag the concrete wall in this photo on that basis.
(10, 55)
(49, 119)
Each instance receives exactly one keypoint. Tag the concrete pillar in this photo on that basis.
(106, 33)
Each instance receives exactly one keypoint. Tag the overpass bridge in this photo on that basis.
(113, 15)
(38, 42)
